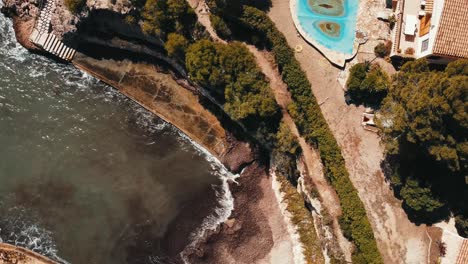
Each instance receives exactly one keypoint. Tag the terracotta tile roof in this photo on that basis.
(452, 35)
(463, 255)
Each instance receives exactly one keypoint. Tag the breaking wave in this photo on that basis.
(23, 230)
(224, 198)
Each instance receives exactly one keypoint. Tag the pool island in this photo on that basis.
(328, 25)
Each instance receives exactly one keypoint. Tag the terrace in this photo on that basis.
(407, 29)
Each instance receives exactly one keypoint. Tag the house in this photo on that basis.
(434, 29)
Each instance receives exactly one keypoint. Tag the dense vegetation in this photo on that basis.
(252, 24)
(367, 84)
(176, 46)
(161, 17)
(286, 142)
(75, 6)
(220, 27)
(425, 124)
(231, 74)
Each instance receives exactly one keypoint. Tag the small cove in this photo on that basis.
(86, 175)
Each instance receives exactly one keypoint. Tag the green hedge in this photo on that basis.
(309, 119)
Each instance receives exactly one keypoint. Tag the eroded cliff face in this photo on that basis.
(174, 100)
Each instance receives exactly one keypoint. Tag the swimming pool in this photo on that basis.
(330, 23)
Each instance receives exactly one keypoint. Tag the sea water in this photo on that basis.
(88, 176)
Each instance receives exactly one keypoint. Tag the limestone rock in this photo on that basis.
(230, 222)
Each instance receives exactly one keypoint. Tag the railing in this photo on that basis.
(397, 31)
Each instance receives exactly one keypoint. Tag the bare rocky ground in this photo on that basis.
(376, 30)
(399, 240)
(15, 255)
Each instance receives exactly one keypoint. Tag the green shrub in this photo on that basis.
(381, 50)
(220, 27)
(367, 84)
(419, 197)
(161, 17)
(392, 21)
(286, 141)
(75, 6)
(176, 45)
(461, 223)
(309, 119)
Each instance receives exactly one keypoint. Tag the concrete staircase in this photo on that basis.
(47, 41)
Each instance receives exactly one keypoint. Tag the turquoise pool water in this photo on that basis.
(331, 23)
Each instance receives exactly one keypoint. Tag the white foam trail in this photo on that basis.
(8, 44)
(223, 194)
(22, 231)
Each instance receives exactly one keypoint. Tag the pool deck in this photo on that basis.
(334, 57)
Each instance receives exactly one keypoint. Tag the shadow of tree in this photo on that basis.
(446, 187)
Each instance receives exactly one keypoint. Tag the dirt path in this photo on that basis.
(203, 15)
(399, 240)
(328, 196)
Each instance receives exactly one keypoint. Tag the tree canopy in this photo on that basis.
(161, 17)
(176, 45)
(425, 126)
(231, 74)
(367, 84)
(429, 109)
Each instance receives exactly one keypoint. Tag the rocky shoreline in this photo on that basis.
(247, 226)
(256, 226)
(19, 255)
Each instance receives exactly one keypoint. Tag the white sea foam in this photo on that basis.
(225, 200)
(223, 194)
(20, 229)
(8, 45)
